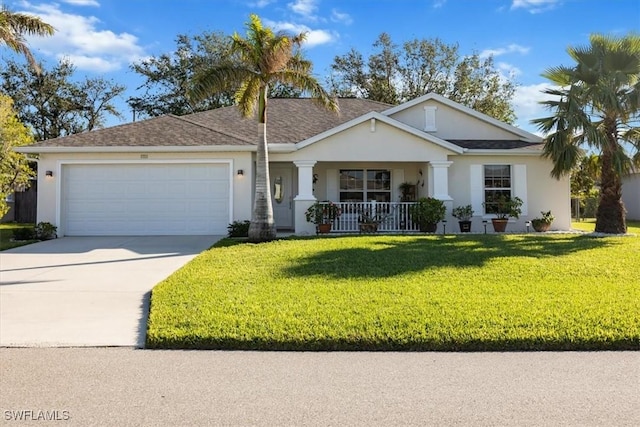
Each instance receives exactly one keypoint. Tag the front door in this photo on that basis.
(282, 196)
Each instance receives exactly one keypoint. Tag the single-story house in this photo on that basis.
(194, 174)
(631, 195)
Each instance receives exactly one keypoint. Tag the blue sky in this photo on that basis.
(102, 37)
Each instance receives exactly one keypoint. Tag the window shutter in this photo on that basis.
(520, 185)
(396, 180)
(332, 185)
(477, 188)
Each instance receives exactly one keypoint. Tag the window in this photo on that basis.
(497, 184)
(359, 185)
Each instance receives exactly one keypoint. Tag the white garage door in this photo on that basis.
(145, 199)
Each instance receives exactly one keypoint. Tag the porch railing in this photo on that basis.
(392, 217)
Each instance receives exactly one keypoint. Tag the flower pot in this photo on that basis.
(499, 225)
(429, 228)
(323, 228)
(465, 226)
(540, 226)
(368, 227)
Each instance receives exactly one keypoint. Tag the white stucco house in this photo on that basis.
(194, 174)
(631, 195)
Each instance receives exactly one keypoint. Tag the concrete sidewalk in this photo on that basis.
(86, 291)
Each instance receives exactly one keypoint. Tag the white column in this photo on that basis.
(440, 174)
(440, 177)
(305, 197)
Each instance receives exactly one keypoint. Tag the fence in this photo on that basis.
(391, 217)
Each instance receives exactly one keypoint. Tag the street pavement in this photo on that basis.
(86, 291)
(131, 387)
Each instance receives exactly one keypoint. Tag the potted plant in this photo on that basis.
(322, 215)
(368, 222)
(464, 214)
(543, 224)
(505, 207)
(427, 213)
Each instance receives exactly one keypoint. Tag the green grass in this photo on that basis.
(590, 225)
(6, 234)
(468, 293)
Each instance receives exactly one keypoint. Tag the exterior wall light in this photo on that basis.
(240, 172)
(49, 174)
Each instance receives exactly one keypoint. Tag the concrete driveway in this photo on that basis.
(86, 291)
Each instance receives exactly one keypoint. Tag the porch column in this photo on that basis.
(305, 197)
(440, 178)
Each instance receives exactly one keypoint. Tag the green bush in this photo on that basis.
(239, 228)
(22, 234)
(45, 231)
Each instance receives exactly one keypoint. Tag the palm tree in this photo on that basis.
(13, 27)
(598, 107)
(262, 59)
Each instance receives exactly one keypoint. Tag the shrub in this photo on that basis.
(25, 233)
(322, 212)
(45, 231)
(239, 228)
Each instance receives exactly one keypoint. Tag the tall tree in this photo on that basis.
(259, 61)
(585, 175)
(53, 104)
(14, 167)
(167, 77)
(598, 106)
(14, 26)
(395, 74)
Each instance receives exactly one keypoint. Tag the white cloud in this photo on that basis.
(343, 18)
(305, 8)
(437, 4)
(535, 6)
(526, 104)
(509, 69)
(91, 63)
(512, 48)
(82, 2)
(79, 38)
(314, 37)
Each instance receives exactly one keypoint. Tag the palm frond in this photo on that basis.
(217, 79)
(247, 96)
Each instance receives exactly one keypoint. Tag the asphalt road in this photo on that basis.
(127, 387)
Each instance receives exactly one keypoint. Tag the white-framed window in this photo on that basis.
(359, 185)
(497, 184)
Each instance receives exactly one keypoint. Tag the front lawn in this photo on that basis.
(6, 235)
(469, 293)
(590, 225)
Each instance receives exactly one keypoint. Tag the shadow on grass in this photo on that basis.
(389, 256)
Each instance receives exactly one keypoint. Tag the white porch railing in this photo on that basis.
(392, 217)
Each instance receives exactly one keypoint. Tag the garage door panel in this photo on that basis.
(149, 199)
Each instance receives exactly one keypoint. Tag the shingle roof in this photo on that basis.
(492, 144)
(162, 131)
(289, 120)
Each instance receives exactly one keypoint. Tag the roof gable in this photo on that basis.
(476, 115)
(373, 116)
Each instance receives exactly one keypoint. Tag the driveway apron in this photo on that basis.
(86, 291)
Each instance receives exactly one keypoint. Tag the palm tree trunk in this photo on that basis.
(610, 216)
(263, 227)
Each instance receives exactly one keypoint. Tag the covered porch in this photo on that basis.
(368, 192)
